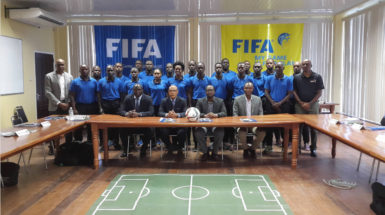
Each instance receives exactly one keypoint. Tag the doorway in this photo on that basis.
(43, 64)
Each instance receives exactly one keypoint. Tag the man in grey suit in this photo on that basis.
(248, 105)
(56, 86)
(210, 107)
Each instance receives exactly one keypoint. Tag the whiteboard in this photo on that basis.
(11, 66)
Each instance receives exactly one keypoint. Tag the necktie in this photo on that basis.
(173, 103)
(137, 104)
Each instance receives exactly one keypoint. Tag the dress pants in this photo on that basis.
(201, 133)
(125, 132)
(260, 135)
(177, 142)
(85, 109)
(314, 109)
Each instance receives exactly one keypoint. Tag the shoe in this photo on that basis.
(214, 157)
(123, 155)
(252, 154)
(180, 153)
(313, 153)
(267, 150)
(307, 147)
(205, 156)
(245, 153)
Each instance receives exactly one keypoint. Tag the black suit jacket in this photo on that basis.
(218, 106)
(145, 107)
(166, 106)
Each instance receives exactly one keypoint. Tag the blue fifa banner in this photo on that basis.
(126, 44)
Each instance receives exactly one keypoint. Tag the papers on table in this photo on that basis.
(77, 118)
(166, 120)
(205, 120)
(248, 120)
(375, 128)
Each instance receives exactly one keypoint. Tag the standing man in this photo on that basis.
(109, 89)
(248, 105)
(247, 68)
(139, 65)
(128, 86)
(136, 105)
(192, 66)
(228, 74)
(57, 85)
(173, 106)
(148, 74)
(118, 68)
(83, 98)
(237, 83)
(219, 82)
(96, 73)
(269, 67)
(278, 89)
(210, 107)
(308, 88)
(169, 71)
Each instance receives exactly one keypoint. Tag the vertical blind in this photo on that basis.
(363, 78)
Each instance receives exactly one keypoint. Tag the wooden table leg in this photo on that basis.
(105, 144)
(95, 144)
(334, 142)
(294, 146)
(285, 143)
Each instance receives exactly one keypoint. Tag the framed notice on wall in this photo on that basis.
(11, 66)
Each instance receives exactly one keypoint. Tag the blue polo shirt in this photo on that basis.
(157, 91)
(109, 90)
(220, 87)
(188, 76)
(122, 79)
(259, 85)
(236, 84)
(199, 86)
(182, 86)
(145, 78)
(85, 90)
(128, 86)
(278, 87)
(264, 73)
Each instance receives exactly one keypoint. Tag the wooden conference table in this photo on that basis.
(105, 121)
(366, 141)
(14, 145)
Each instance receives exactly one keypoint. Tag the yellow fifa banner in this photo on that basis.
(257, 43)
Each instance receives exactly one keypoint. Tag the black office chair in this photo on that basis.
(383, 121)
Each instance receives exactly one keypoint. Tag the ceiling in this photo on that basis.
(71, 9)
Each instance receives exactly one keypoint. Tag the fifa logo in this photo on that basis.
(283, 37)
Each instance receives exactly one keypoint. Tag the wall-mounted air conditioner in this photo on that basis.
(36, 17)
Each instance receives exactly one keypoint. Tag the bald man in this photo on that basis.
(308, 88)
(173, 106)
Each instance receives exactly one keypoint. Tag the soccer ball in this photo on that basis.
(192, 114)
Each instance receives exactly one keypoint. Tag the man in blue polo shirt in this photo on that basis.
(127, 88)
(96, 73)
(83, 98)
(109, 101)
(192, 70)
(308, 88)
(228, 74)
(219, 82)
(148, 74)
(278, 89)
(178, 80)
(118, 68)
(169, 72)
(237, 83)
(269, 67)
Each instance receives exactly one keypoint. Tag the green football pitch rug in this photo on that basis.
(166, 194)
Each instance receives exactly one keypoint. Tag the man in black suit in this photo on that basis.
(173, 106)
(136, 105)
(210, 107)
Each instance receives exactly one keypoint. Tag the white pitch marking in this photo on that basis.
(279, 203)
(117, 196)
(189, 198)
(181, 198)
(263, 194)
(233, 191)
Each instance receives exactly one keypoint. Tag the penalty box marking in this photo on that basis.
(242, 195)
(106, 199)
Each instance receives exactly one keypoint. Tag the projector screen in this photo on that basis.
(11, 66)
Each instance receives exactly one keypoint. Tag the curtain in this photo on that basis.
(316, 46)
(363, 78)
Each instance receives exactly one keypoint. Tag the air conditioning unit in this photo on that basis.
(36, 17)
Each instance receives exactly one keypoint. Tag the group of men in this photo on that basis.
(226, 93)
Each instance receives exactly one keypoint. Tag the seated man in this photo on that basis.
(210, 107)
(136, 105)
(248, 105)
(173, 106)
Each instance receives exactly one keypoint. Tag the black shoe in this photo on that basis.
(252, 154)
(205, 156)
(267, 150)
(214, 157)
(123, 155)
(313, 153)
(245, 153)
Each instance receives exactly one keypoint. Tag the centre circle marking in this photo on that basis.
(207, 192)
